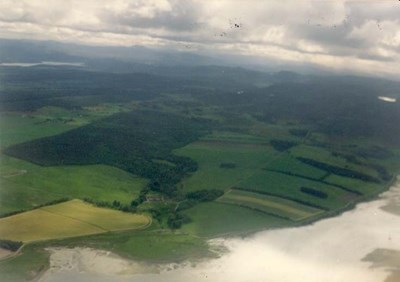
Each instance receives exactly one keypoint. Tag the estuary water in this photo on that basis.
(361, 245)
(46, 63)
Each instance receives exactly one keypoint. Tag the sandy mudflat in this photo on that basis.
(92, 262)
(361, 245)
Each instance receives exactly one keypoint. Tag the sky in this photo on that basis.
(358, 35)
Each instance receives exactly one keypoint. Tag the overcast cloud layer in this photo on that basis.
(357, 35)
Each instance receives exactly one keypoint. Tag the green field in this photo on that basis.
(19, 127)
(217, 219)
(366, 188)
(24, 185)
(269, 204)
(69, 219)
(248, 158)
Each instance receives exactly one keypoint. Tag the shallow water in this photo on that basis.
(359, 245)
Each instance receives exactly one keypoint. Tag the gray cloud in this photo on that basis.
(180, 16)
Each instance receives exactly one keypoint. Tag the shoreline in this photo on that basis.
(355, 261)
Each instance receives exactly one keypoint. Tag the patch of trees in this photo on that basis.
(299, 132)
(10, 245)
(282, 145)
(339, 170)
(205, 195)
(348, 157)
(116, 205)
(186, 204)
(176, 220)
(227, 165)
(314, 192)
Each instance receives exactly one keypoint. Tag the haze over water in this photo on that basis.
(360, 245)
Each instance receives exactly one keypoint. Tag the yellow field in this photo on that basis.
(269, 204)
(69, 219)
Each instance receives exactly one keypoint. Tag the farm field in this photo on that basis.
(269, 204)
(69, 219)
(326, 156)
(287, 163)
(260, 178)
(365, 188)
(289, 187)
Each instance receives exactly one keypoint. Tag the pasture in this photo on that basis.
(269, 204)
(248, 158)
(214, 219)
(69, 219)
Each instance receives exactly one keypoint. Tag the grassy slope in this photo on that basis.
(27, 266)
(37, 185)
(18, 128)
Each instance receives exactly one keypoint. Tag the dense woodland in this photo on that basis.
(131, 141)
